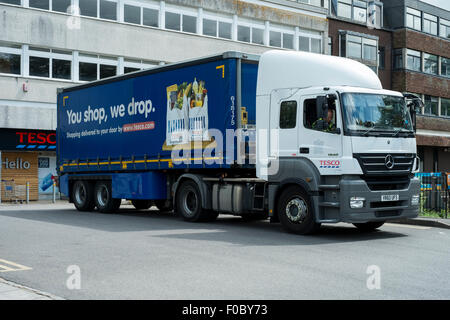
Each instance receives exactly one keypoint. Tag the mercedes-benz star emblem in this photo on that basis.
(389, 161)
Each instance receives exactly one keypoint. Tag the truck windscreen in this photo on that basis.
(374, 114)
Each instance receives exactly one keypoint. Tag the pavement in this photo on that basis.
(13, 291)
(153, 255)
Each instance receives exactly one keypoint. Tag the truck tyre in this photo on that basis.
(103, 198)
(369, 226)
(295, 211)
(83, 195)
(189, 204)
(142, 204)
(164, 205)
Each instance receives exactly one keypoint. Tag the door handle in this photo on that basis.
(304, 150)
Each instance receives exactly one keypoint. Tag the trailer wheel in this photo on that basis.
(83, 195)
(295, 211)
(142, 204)
(164, 205)
(103, 198)
(369, 226)
(189, 203)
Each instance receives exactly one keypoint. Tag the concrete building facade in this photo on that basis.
(48, 44)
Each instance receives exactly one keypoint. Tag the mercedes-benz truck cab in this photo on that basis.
(340, 145)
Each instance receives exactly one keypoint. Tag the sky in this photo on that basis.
(444, 4)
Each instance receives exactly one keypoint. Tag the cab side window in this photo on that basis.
(309, 113)
(288, 114)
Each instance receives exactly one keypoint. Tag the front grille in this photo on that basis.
(387, 204)
(374, 164)
(387, 183)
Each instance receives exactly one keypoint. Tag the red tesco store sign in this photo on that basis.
(25, 139)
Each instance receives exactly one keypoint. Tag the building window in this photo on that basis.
(288, 114)
(430, 63)
(444, 28)
(445, 67)
(310, 43)
(354, 47)
(288, 41)
(431, 105)
(10, 59)
(88, 8)
(413, 60)
(413, 19)
(107, 71)
(61, 5)
(360, 11)
(216, 28)
(150, 17)
(40, 4)
(173, 21)
(108, 10)
(16, 2)
(344, 8)
(132, 14)
(397, 57)
(429, 23)
(445, 107)
(257, 36)
(47, 63)
(275, 39)
(244, 33)
(225, 30)
(61, 69)
(93, 67)
(381, 57)
(88, 71)
(210, 27)
(39, 66)
(189, 24)
(370, 50)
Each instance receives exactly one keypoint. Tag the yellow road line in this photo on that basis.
(9, 266)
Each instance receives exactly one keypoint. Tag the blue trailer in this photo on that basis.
(300, 138)
(122, 132)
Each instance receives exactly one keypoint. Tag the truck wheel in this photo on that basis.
(103, 198)
(83, 195)
(189, 204)
(164, 205)
(369, 226)
(295, 211)
(142, 204)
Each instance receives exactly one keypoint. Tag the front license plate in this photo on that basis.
(390, 197)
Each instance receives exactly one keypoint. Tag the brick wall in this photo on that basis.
(417, 82)
(406, 38)
(384, 40)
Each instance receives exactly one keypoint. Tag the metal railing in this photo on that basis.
(434, 193)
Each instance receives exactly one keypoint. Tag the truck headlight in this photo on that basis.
(415, 199)
(357, 202)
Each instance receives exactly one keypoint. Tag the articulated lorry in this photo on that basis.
(294, 137)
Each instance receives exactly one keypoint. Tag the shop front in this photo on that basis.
(28, 164)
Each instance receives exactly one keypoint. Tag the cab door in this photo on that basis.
(322, 145)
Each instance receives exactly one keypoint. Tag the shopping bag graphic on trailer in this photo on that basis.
(177, 115)
(198, 112)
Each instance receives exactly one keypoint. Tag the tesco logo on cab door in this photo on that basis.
(330, 164)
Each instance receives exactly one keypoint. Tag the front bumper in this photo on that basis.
(374, 209)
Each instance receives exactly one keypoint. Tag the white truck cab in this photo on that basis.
(335, 133)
